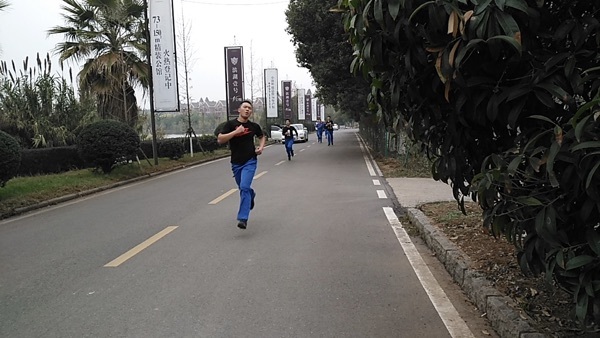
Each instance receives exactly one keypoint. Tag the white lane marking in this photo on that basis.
(376, 182)
(140, 247)
(280, 163)
(301, 150)
(365, 149)
(222, 197)
(365, 152)
(381, 194)
(454, 323)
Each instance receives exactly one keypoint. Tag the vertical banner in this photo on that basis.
(313, 104)
(319, 113)
(271, 88)
(308, 107)
(234, 79)
(163, 56)
(286, 86)
(301, 103)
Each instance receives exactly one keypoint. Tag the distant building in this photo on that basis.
(205, 106)
(208, 107)
(259, 104)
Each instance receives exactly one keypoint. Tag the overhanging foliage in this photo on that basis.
(501, 94)
(322, 47)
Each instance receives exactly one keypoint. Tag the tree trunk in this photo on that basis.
(111, 106)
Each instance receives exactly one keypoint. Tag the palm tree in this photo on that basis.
(3, 5)
(109, 36)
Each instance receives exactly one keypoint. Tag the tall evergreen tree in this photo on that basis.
(323, 48)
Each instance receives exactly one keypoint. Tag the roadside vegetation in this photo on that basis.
(26, 191)
(491, 256)
(504, 96)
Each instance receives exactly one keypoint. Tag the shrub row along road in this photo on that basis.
(164, 258)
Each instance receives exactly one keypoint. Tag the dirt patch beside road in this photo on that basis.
(549, 307)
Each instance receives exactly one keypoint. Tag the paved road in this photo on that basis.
(163, 258)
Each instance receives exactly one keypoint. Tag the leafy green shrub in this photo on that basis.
(545, 198)
(104, 143)
(209, 143)
(171, 148)
(10, 157)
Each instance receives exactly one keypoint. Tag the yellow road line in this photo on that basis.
(140, 247)
(222, 197)
(230, 192)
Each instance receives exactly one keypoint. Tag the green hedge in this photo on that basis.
(10, 157)
(172, 148)
(49, 160)
(208, 143)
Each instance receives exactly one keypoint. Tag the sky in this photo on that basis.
(257, 25)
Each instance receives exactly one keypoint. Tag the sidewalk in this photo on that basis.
(411, 192)
(501, 311)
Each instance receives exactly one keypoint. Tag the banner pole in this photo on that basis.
(150, 83)
(227, 93)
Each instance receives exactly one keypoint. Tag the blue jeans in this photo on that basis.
(329, 134)
(244, 174)
(320, 135)
(289, 144)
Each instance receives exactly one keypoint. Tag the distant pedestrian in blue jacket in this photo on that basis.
(320, 128)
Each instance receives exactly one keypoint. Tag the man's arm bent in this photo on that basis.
(224, 138)
(261, 145)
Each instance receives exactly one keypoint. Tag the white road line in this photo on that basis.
(140, 247)
(376, 182)
(301, 150)
(381, 194)
(366, 150)
(365, 157)
(280, 163)
(454, 323)
(222, 197)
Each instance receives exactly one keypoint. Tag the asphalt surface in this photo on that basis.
(319, 258)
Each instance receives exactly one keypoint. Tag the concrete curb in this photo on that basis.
(506, 319)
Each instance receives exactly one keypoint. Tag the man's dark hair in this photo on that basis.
(245, 101)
